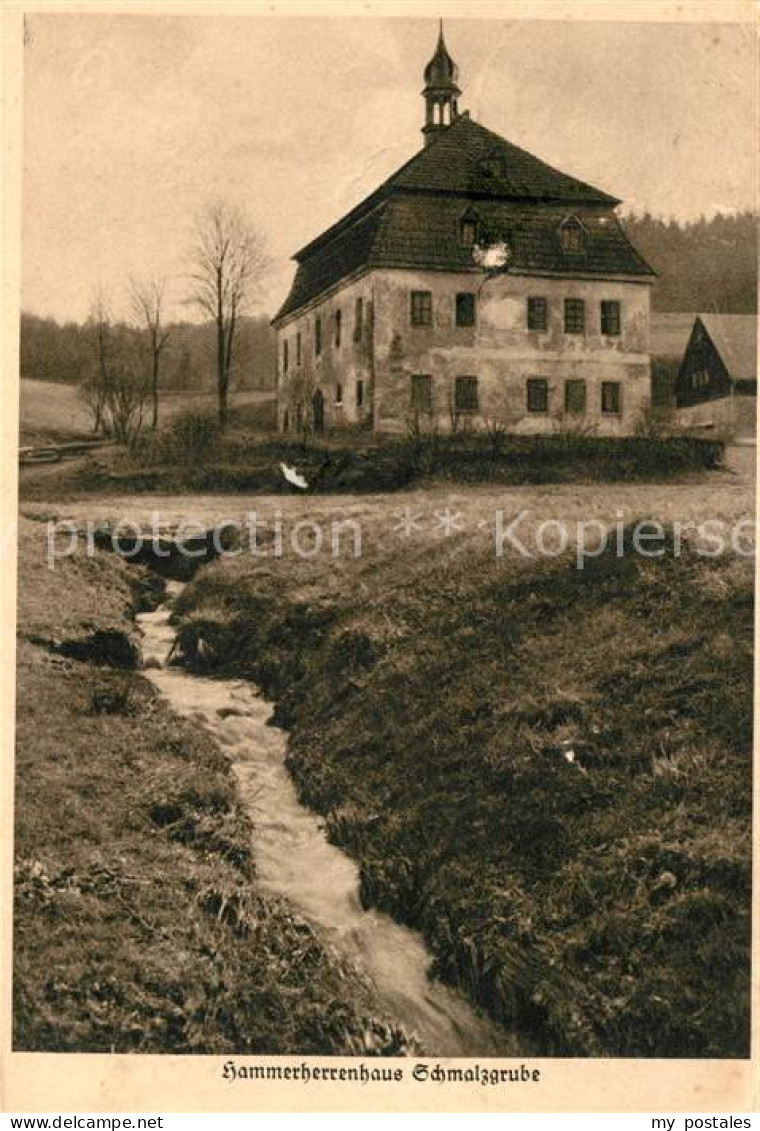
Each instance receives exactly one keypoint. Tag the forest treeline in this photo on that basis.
(703, 265)
(50, 351)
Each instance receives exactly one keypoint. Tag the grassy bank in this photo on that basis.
(546, 770)
(138, 925)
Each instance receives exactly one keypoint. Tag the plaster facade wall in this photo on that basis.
(503, 354)
(498, 350)
(342, 373)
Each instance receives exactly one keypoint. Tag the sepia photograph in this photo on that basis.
(387, 389)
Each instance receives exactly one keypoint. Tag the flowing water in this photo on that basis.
(294, 859)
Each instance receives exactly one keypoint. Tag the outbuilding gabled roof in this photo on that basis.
(735, 338)
(411, 220)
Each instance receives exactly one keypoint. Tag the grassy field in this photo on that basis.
(725, 495)
(138, 925)
(49, 411)
(545, 769)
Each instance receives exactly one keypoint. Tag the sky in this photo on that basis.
(133, 122)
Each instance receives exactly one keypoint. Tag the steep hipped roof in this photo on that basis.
(735, 338)
(411, 220)
(468, 158)
(461, 162)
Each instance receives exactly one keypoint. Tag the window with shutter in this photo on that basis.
(466, 394)
(537, 389)
(575, 396)
(422, 393)
(421, 310)
(465, 309)
(611, 399)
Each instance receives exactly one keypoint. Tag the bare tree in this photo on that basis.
(95, 386)
(128, 391)
(114, 388)
(229, 260)
(147, 300)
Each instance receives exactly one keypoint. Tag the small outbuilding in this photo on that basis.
(717, 380)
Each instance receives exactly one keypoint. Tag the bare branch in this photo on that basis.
(229, 261)
(147, 302)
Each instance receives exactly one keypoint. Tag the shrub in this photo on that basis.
(108, 647)
(190, 436)
(656, 423)
(191, 455)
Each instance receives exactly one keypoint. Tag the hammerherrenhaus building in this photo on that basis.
(476, 286)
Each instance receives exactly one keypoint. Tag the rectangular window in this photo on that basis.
(337, 329)
(538, 313)
(421, 309)
(285, 356)
(611, 400)
(575, 316)
(358, 319)
(571, 235)
(575, 396)
(465, 309)
(466, 394)
(422, 393)
(339, 393)
(537, 394)
(610, 312)
(317, 335)
(468, 232)
(359, 394)
(298, 348)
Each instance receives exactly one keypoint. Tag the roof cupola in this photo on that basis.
(441, 91)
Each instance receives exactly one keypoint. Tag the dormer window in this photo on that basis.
(572, 235)
(492, 165)
(468, 228)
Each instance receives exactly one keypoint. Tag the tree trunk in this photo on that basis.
(223, 391)
(221, 359)
(105, 383)
(223, 384)
(155, 389)
(229, 338)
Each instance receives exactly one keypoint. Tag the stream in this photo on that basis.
(295, 860)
